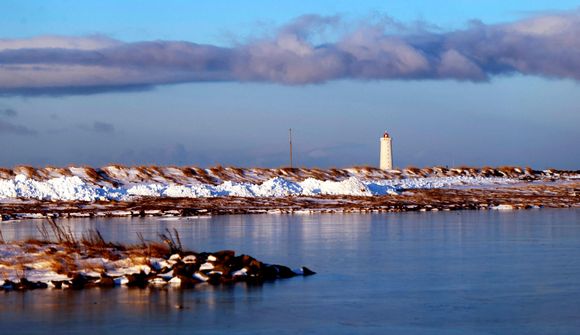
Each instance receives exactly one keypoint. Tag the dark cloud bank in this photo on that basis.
(547, 45)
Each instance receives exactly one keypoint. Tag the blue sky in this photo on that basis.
(214, 21)
(518, 117)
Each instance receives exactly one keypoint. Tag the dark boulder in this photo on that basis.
(140, 279)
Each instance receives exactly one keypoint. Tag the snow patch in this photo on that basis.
(75, 188)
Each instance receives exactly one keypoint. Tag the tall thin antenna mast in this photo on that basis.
(290, 138)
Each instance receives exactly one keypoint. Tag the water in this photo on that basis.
(472, 272)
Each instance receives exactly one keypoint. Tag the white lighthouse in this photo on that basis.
(386, 152)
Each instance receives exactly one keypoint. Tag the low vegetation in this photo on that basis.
(116, 173)
(59, 259)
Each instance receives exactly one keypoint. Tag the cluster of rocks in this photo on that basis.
(184, 269)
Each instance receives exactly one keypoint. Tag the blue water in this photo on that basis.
(470, 272)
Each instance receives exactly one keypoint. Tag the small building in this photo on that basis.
(386, 159)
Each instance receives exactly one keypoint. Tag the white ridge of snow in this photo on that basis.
(186, 191)
(350, 186)
(75, 188)
(61, 188)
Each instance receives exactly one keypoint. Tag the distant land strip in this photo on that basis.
(509, 197)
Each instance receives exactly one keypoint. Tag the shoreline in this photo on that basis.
(521, 196)
(60, 260)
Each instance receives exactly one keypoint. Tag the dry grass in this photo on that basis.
(6, 173)
(81, 269)
(49, 169)
(92, 174)
(220, 172)
(335, 172)
(412, 170)
(49, 230)
(237, 171)
(172, 240)
(63, 263)
(150, 249)
(61, 249)
(142, 173)
(319, 174)
(203, 176)
(365, 168)
(188, 172)
(28, 171)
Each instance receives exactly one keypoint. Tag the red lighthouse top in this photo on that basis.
(386, 135)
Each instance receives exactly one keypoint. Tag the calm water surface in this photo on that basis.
(472, 272)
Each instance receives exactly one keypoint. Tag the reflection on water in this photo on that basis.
(411, 273)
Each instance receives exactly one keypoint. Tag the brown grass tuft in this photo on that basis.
(172, 239)
(412, 170)
(203, 176)
(92, 174)
(63, 264)
(28, 171)
(188, 172)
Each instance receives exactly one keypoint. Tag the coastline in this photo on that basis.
(527, 195)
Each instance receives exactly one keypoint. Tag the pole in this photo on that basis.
(290, 138)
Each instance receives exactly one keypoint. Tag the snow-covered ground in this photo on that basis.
(76, 187)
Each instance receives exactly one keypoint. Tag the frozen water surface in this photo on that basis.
(471, 272)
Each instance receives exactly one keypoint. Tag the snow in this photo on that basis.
(206, 266)
(503, 207)
(61, 188)
(189, 259)
(76, 188)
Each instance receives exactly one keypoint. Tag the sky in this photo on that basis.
(219, 82)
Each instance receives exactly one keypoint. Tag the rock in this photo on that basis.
(106, 281)
(58, 283)
(121, 281)
(214, 278)
(183, 269)
(8, 285)
(189, 259)
(158, 281)
(25, 284)
(80, 281)
(223, 254)
(138, 279)
(284, 271)
(269, 272)
(307, 272)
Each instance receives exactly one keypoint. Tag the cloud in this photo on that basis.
(300, 52)
(103, 127)
(99, 127)
(175, 154)
(10, 128)
(8, 112)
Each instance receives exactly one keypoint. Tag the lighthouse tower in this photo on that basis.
(386, 152)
